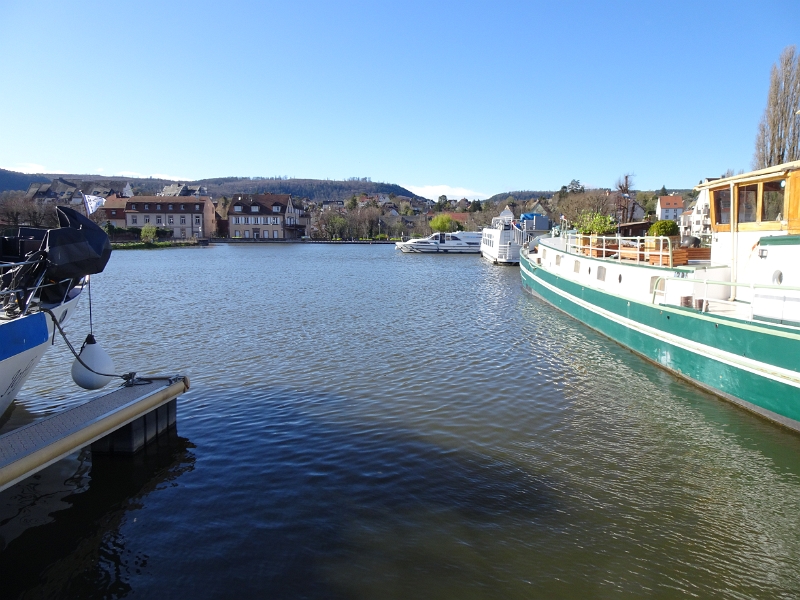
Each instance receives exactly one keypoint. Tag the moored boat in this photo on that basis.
(727, 318)
(502, 241)
(458, 242)
(42, 275)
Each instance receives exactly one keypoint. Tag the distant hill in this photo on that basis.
(11, 180)
(316, 190)
(522, 196)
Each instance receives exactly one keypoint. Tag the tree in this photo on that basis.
(442, 223)
(575, 187)
(778, 137)
(627, 203)
(352, 203)
(148, 234)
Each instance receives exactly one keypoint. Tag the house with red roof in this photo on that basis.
(669, 208)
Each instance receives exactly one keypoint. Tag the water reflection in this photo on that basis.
(62, 538)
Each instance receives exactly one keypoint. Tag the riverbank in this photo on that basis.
(154, 245)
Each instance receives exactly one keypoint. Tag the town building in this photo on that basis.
(185, 217)
(669, 208)
(68, 191)
(266, 216)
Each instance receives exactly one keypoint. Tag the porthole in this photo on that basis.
(777, 278)
(620, 278)
(590, 270)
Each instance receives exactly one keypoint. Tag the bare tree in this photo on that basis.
(778, 139)
(593, 201)
(626, 202)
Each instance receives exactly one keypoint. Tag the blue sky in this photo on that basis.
(464, 98)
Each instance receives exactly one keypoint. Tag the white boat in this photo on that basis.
(725, 317)
(502, 241)
(458, 242)
(42, 275)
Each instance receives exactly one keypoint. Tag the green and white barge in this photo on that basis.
(725, 317)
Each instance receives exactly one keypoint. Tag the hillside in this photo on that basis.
(316, 190)
(522, 196)
(11, 180)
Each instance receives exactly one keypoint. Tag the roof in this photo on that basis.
(776, 170)
(670, 202)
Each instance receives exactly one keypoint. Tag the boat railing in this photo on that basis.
(21, 285)
(772, 305)
(655, 250)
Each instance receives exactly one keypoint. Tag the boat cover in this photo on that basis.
(79, 247)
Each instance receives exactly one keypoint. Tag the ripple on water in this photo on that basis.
(364, 423)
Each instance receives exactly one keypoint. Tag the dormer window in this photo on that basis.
(183, 207)
(197, 207)
(158, 207)
(254, 208)
(133, 206)
(237, 208)
(169, 206)
(147, 207)
(276, 208)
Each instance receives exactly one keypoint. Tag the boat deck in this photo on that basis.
(32, 447)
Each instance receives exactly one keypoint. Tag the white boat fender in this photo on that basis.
(96, 359)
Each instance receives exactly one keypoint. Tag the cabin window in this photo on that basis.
(722, 206)
(601, 273)
(772, 200)
(544, 254)
(746, 209)
(558, 260)
(577, 267)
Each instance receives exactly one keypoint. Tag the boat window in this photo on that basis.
(544, 253)
(455, 238)
(746, 209)
(772, 200)
(601, 273)
(577, 267)
(558, 260)
(722, 206)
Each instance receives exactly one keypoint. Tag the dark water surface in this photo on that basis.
(368, 424)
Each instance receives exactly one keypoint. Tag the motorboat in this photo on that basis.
(458, 242)
(42, 275)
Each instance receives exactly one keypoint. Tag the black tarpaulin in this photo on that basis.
(79, 247)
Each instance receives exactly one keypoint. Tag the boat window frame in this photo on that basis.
(759, 224)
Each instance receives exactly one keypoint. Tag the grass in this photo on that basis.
(151, 245)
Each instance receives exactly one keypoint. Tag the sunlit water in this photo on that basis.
(368, 424)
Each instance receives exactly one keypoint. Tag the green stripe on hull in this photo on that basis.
(732, 381)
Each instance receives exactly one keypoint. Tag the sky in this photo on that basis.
(466, 99)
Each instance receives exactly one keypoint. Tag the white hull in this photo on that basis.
(460, 242)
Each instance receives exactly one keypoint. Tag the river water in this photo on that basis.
(368, 424)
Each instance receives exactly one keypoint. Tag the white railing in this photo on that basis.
(657, 250)
(771, 307)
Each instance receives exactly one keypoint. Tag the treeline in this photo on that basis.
(316, 190)
(11, 180)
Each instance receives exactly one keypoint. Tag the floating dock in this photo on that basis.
(122, 420)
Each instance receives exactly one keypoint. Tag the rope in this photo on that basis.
(128, 378)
